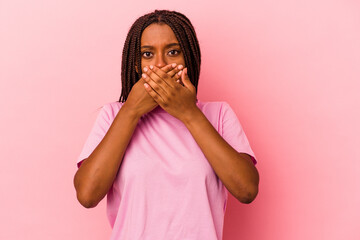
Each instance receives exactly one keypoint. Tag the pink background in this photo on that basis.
(290, 70)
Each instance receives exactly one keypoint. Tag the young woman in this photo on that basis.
(164, 158)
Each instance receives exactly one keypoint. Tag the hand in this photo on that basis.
(139, 100)
(177, 99)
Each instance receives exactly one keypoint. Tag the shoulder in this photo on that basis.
(113, 106)
(110, 109)
(215, 111)
(213, 106)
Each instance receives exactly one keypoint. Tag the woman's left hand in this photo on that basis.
(174, 98)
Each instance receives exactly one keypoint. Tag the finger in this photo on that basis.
(168, 68)
(172, 70)
(180, 82)
(176, 69)
(161, 78)
(155, 82)
(186, 80)
(152, 93)
(152, 84)
(177, 77)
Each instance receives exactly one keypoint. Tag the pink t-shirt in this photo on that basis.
(165, 187)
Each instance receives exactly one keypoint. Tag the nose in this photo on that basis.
(160, 61)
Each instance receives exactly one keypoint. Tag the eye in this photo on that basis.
(146, 54)
(172, 51)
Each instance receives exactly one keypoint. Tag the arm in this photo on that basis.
(236, 170)
(96, 174)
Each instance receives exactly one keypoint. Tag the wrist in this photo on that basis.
(131, 111)
(191, 115)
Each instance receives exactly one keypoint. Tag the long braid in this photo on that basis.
(189, 42)
(131, 56)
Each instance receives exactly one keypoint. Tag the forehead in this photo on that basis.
(158, 34)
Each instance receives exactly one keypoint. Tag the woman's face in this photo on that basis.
(159, 46)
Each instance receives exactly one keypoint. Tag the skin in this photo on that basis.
(169, 58)
(155, 50)
(97, 173)
(236, 170)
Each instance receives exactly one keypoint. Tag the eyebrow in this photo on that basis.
(168, 45)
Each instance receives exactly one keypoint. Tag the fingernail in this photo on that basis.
(151, 66)
(145, 69)
(179, 73)
(173, 65)
(180, 66)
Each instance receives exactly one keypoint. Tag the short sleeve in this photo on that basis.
(97, 133)
(233, 133)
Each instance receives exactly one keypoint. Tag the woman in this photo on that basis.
(163, 158)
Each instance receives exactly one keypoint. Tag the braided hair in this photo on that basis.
(131, 56)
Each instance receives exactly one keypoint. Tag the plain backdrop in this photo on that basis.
(289, 69)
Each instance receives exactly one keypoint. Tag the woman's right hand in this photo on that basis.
(139, 99)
